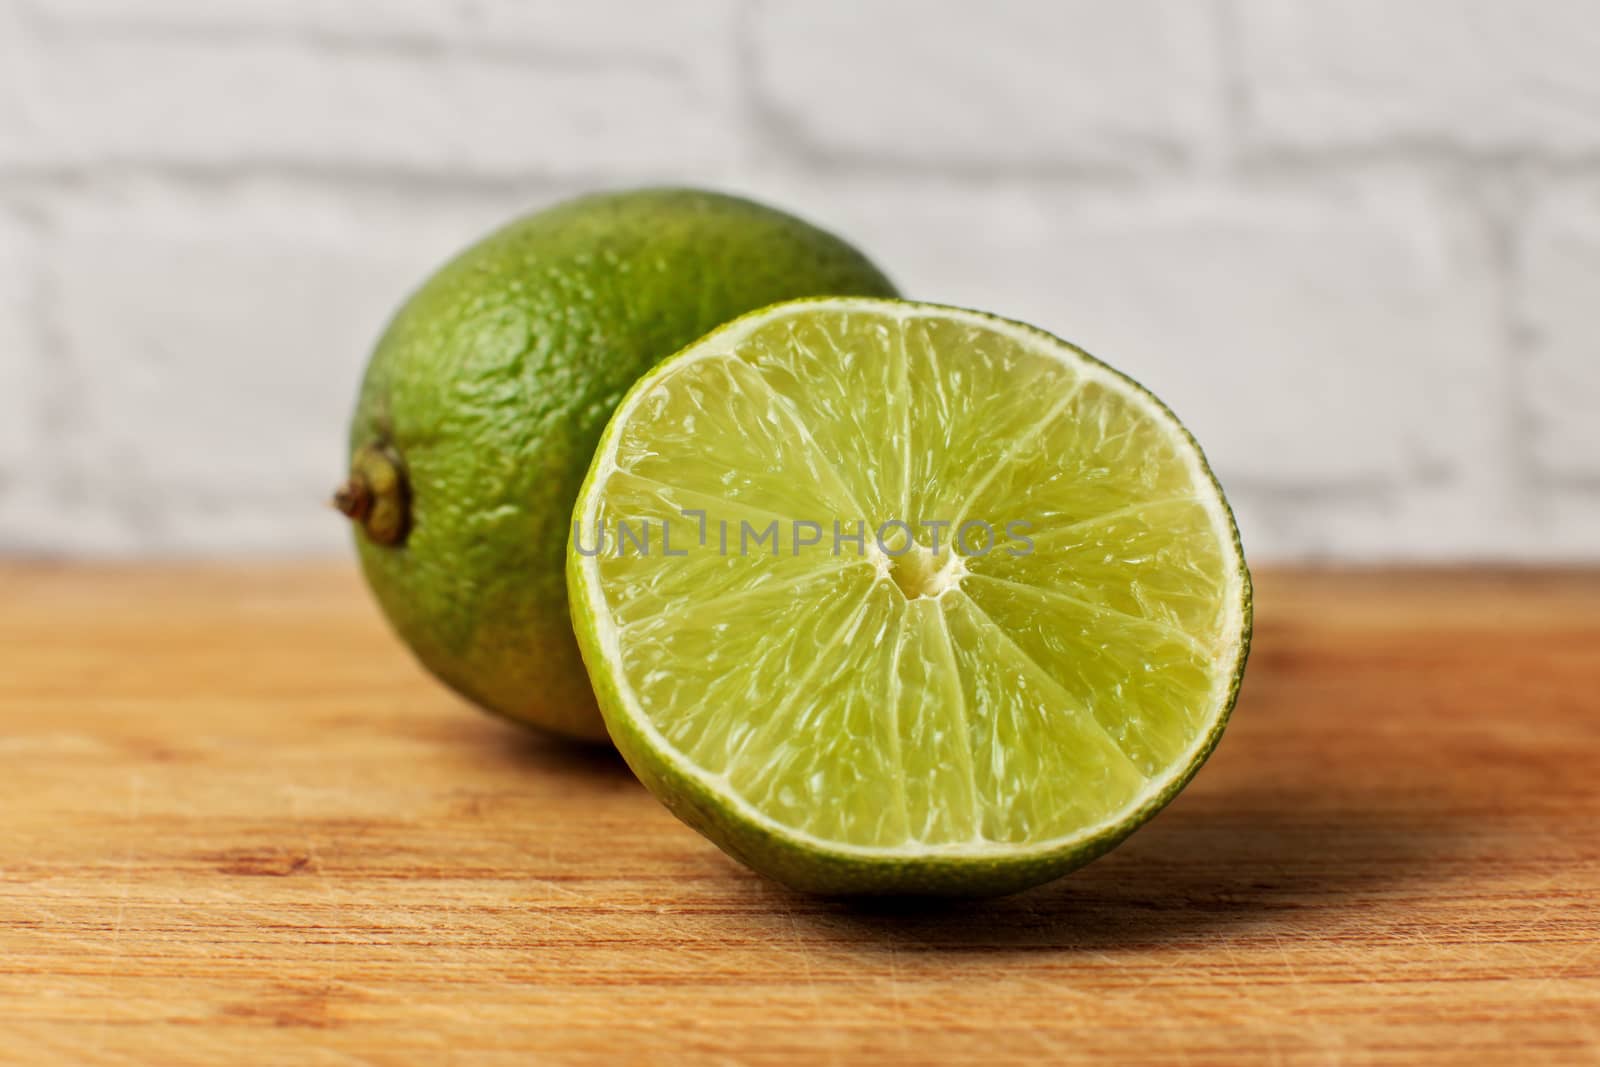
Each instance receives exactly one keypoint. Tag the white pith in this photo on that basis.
(724, 344)
(945, 577)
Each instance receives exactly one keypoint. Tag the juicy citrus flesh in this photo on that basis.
(1024, 689)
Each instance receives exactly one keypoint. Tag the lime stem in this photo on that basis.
(354, 499)
(375, 496)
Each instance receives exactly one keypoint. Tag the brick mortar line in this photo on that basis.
(458, 42)
(1251, 175)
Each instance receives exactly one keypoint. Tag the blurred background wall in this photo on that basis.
(1354, 243)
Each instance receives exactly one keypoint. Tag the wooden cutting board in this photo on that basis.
(240, 826)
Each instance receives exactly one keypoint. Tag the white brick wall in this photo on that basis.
(1356, 245)
(1559, 293)
(19, 363)
(1011, 84)
(1486, 76)
(195, 87)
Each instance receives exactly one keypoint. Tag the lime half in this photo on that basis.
(898, 598)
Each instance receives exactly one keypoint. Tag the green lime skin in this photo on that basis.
(487, 394)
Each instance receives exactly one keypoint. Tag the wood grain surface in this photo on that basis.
(240, 826)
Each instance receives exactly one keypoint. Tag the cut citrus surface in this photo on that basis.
(891, 597)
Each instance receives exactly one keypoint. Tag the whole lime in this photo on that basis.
(488, 391)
